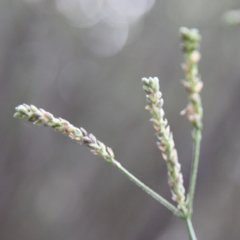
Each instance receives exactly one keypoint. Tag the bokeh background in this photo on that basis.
(83, 60)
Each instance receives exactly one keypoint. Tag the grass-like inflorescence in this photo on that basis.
(192, 82)
(193, 85)
(41, 117)
(166, 143)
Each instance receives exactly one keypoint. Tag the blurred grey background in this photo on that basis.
(83, 60)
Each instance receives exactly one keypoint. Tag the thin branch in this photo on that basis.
(191, 232)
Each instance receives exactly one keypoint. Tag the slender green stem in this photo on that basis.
(145, 188)
(191, 232)
(193, 178)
